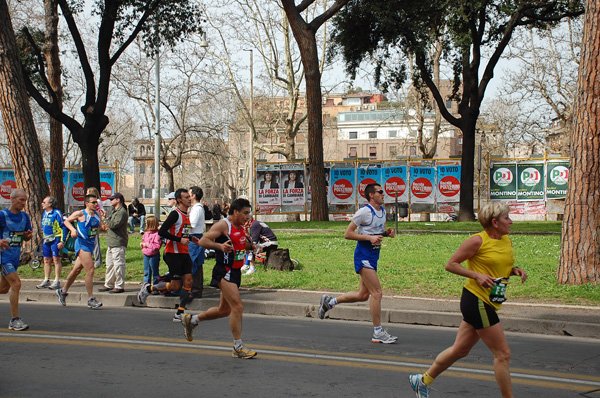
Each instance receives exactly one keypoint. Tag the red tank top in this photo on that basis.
(182, 229)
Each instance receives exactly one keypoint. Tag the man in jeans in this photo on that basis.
(116, 240)
(199, 213)
(137, 212)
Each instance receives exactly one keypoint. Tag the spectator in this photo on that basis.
(172, 202)
(217, 211)
(199, 213)
(137, 213)
(116, 240)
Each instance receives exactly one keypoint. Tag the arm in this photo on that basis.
(28, 230)
(68, 222)
(351, 234)
(208, 239)
(464, 252)
(169, 222)
(141, 210)
(195, 215)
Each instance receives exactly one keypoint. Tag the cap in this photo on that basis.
(134, 199)
(116, 195)
(171, 195)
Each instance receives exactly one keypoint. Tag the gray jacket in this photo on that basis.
(117, 227)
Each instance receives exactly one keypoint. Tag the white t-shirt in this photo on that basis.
(197, 219)
(369, 220)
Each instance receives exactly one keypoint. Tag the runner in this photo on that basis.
(53, 231)
(15, 227)
(176, 230)
(370, 221)
(228, 238)
(88, 223)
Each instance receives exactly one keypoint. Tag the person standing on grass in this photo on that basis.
(367, 228)
(88, 224)
(53, 231)
(176, 230)
(116, 242)
(228, 238)
(151, 244)
(490, 263)
(15, 228)
(199, 213)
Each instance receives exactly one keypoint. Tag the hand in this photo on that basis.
(104, 226)
(4, 244)
(135, 215)
(485, 281)
(184, 241)
(102, 213)
(142, 244)
(195, 240)
(60, 245)
(28, 235)
(391, 232)
(521, 273)
(74, 233)
(226, 247)
(375, 239)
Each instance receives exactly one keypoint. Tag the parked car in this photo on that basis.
(164, 211)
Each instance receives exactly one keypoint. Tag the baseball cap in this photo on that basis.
(116, 195)
(171, 195)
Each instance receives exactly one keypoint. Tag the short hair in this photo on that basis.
(151, 223)
(134, 200)
(370, 189)
(88, 196)
(93, 191)
(490, 211)
(179, 192)
(197, 192)
(52, 200)
(17, 192)
(238, 205)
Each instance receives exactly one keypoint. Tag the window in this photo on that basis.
(142, 168)
(142, 150)
(372, 134)
(141, 191)
(152, 168)
(262, 155)
(413, 151)
(280, 156)
(353, 135)
(352, 152)
(460, 140)
(373, 152)
(241, 174)
(448, 104)
(300, 153)
(392, 133)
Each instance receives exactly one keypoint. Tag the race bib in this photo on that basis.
(239, 256)
(16, 238)
(498, 292)
(186, 232)
(92, 232)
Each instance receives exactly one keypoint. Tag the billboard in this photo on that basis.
(530, 181)
(395, 183)
(503, 183)
(422, 183)
(448, 184)
(343, 186)
(557, 179)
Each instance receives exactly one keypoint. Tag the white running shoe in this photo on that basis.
(143, 293)
(416, 382)
(245, 268)
(251, 271)
(93, 303)
(55, 285)
(383, 337)
(45, 283)
(178, 317)
(17, 324)
(324, 306)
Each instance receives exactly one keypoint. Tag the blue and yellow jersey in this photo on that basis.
(53, 224)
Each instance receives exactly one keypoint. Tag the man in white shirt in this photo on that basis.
(199, 213)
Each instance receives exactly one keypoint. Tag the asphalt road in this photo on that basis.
(139, 352)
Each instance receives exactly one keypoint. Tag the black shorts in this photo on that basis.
(179, 264)
(477, 312)
(234, 275)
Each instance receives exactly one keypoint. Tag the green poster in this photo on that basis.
(503, 184)
(557, 177)
(530, 181)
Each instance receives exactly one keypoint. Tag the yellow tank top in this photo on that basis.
(495, 258)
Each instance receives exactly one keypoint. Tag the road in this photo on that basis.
(139, 352)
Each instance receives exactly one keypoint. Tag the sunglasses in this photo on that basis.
(380, 192)
(95, 202)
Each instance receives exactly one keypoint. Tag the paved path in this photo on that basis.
(580, 321)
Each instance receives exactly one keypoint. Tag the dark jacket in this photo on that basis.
(140, 209)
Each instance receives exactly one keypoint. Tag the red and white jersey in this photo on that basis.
(234, 259)
(182, 229)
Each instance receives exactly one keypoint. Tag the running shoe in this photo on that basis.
(93, 303)
(324, 307)
(178, 317)
(62, 296)
(143, 293)
(17, 324)
(416, 382)
(45, 283)
(245, 268)
(243, 352)
(383, 337)
(188, 328)
(251, 271)
(55, 285)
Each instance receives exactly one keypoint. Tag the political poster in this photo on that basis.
(365, 176)
(395, 183)
(557, 178)
(292, 176)
(76, 190)
(422, 183)
(65, 174)
(530, 181)
(107, 184)
(327, 171)
(448, 184)
(268, 190)
(8, 184)
(343, 184)
(503, 184)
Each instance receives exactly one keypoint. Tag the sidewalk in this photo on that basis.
(563, 320)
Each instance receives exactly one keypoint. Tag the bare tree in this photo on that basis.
(580, 244)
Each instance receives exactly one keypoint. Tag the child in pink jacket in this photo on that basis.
(150, 245)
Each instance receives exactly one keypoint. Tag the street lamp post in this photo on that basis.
(251, 135)
(157, 139)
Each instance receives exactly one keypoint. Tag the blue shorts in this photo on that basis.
(8, 268)
(51, 249)
(84, 245)
(365, 256)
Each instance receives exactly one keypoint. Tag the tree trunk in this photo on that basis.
(90, 165)
(467, 170)
(580, 244)
(23, 143)
(54, 77)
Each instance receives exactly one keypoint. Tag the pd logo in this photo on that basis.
(77, 192)
(449, 186)
(6, 188)
(342, 189)
(363, 184)
(559, 175)
(395, 186)
(531, 177)
(421, 187)
(105, 190)
(503, 177)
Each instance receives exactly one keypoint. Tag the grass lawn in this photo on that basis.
(411, 264)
